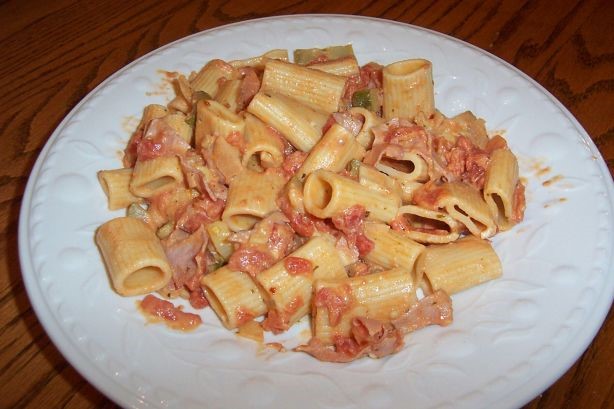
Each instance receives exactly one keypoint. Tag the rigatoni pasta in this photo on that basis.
(273, 190)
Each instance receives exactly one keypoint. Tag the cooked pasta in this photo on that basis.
(273, 190)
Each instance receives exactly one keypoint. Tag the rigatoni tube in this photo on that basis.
(134, 257)
(299, 124)
(456, 266)
(251, 197)
(408, 89)
(326, 194)
(234, 296)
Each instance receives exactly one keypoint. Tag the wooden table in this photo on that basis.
(55, 52)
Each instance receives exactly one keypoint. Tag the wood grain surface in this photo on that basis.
(55, 52)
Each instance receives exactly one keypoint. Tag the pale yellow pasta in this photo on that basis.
(333, 152)
(345, 66)
(116, 185)
(209, 77)
(251, 197)
(263, 149)
(288, 294)
(327, 194)
(370, 119)
(228, 94)
(183, 100)
(260, 61)
(429, 226)
(151, 112)
(316, 89)
(409, 167)
(456, 266)
(465, 203)
(135, 260)
(214, 119)
(408, 188)
(499, 187)
(408, 89)
(380, 182)
(299, 124)
(234, 296)
(382, 296)
(177, 121)
(227, 158)
(154, 176)
(391, 248)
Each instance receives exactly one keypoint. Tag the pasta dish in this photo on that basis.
(272, 190)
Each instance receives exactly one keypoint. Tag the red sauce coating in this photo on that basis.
(161, 310)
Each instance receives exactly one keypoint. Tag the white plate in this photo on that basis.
(510, 338)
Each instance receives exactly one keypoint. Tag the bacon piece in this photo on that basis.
(199, 213)
(350, 222)
(298, 265)
(382, 339)
(181, 249)
(249, 86)
(367, 337)
(301, 223)
(434, 309)
(335, 302)
(251, 259)
(160, 140)
(157, 310)
(211, 184)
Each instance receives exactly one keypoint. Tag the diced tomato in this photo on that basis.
(335, 302)
(293, 162)
(298, 265)
(197, 299)
(250, 259)
(157, 309)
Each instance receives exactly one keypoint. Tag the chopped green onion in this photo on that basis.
(191, 120)
(366, 98)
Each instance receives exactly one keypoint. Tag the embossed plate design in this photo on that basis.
(510, 339)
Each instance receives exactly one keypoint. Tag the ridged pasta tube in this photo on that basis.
(134, 257)
(408, 89)
(326, 194)
(234, 296)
